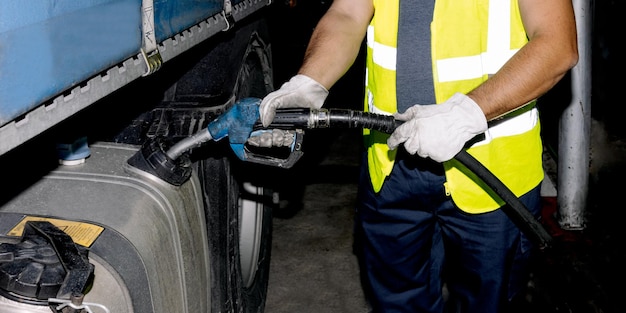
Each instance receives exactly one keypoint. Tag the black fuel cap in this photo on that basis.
(35, 269)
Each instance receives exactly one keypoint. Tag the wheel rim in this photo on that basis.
(250, 233)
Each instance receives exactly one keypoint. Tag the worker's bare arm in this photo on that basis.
(539, 65)
(336, 40)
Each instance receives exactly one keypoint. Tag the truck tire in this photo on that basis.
(233, 287)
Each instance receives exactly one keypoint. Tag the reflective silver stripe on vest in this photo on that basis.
(383, 55)
(513, 126)
(498, 48)
(462, 68)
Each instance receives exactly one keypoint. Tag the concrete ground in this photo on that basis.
(313, 268)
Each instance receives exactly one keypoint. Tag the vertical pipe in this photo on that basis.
(574, 130)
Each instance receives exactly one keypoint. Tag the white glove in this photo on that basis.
(299, 92)
(439, 131)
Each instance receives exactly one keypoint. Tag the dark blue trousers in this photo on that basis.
(414, 240)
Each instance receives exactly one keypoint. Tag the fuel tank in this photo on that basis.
(146, 240)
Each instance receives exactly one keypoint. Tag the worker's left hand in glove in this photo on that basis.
(300, 91)
(439, 131)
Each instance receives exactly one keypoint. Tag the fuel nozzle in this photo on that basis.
(170, 161)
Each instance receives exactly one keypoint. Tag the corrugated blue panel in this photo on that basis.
(174, 16)
(48, 46)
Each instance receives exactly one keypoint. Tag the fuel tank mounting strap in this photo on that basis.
(227, 13)
(149, 50)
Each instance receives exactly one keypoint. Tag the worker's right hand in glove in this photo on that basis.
(300, 91)
(439, 131)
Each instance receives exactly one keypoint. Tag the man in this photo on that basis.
(425, 221)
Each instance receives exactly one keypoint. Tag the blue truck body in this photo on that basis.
(54, 51)
(50, 46)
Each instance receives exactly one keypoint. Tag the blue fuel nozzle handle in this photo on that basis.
(237, 123)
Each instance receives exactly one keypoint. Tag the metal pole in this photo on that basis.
(574, 130)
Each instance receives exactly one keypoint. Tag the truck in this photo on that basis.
(86, 87)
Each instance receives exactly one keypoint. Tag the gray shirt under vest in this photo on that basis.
(414, 78)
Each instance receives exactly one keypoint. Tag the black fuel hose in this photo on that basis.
(331, 118)
(345, 118)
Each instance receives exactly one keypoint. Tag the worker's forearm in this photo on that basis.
(333, 47)
(529, 74)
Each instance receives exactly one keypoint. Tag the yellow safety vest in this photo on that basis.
(471, 39)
